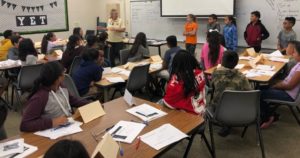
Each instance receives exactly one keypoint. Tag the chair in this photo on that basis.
(3, 115)
(27, 76)
(75, 65)
(124, 54)
(237, 109)
(292, 105)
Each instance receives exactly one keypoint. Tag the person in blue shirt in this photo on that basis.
(89, 71)
(230, 33)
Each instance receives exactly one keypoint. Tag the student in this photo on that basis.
(102, 41)
(186, 87)
(13, 53)
(212, 51)
(213, 23)
(287, 34)
(91, 41)
(168, 58)
(139, 49)
(255, 32)
(89, 71)
(285, 90)
(27, 52)
(67, 149)
(290, 50)
(73, 49)
(79, 32)
(190, 33)
(230, 33)
(227, 78)
(5, 44)
(49, 104)
(48, 42)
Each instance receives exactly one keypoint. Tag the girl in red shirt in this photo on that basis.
(186, 87)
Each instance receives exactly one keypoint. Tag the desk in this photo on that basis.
(38, 45)
(151, 43)
(259, 79)
(115, 111)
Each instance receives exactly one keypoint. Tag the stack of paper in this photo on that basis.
(277, 53)
(146, 112)
(255, 73)
(163, 136)
(16, 149)
(114, 79)
(125, 131)
(276, 59)
(265, 67)
(71, 127)
(10, 63)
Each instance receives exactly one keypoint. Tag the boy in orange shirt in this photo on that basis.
(190, 32)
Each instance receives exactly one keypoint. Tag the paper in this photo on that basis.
(240, 66)
(163, 136)
(59, 53)
(250, 74)
(107, 70)
(125, 131)
(156, 66)
(11, 147)
(277, 53)
(156, 59)
(246, 58)
(108, 147)
(10, 63)
(255, 73)
(129, 98)
(37, 44)
(251, 52)
(91, 111)
(146, 112)
(41, 56)
(265, 67)
(54, 133)
(27, 150)
(125, 72)
(114, 79)
(276, 59)
(116, 70)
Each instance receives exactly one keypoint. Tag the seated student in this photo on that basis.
(285, 90)
(227, 78)
(89, 71)
(186, 87)
(5, 44)
(79, 32)
(48, 42)
(230, 33)
(67, 149)
(168, 58)
(139, 49)
(73, 49)
(213, 23)
(91, 41)
(286, 34)
(49, 104)
(212, 51)
(102, 41)
(13, 53)
(27, 52)
(290, 50)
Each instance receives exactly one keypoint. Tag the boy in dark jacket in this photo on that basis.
(255, 32)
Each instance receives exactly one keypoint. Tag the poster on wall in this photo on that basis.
(34, 16)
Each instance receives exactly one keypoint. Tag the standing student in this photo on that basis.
(73, 49)
(186, 87)
(89, 71)
(48, 42)
(27, 52)
(285, 90)
(255, 32)
(139, 49)
(49, 104)
(212, 51)
(5, 44)
(230, 33)
(79, 32)
(115, 29)
(190, 33)
(213, 23)
(67, 149)
(13, 53)
(286, 34)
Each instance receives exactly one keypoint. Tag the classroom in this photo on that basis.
(149, 78)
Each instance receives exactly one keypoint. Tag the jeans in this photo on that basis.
(265, 110)
(190, 48)
(115, 52)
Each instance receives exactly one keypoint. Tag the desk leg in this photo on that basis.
(159, 50)
(105, 94)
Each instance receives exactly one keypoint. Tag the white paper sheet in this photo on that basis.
(146, 112)
(11, 147)
(276, 59)
(276, 53)
(265, 67)
(27, 150)
(240, 66)
(125, 72)
(163, 136)
(107, 70)
(246, 58)
(126, 129)
(10, 63)
(117, 69)
(129, 98)
(114, 79)
(156, 66)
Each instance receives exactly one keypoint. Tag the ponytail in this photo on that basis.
(45, 40)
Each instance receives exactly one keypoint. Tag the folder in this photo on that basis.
(89, 112)
(250, 52)
(107, 148)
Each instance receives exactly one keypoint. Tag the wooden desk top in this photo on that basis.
(262, 79)
(115, 111)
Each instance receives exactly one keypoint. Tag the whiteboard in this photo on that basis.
(145, 17)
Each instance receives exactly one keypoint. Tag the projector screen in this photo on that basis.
(179, 8)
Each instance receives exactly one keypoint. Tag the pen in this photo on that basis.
(62, 126)
(121, 149)
(138, 143)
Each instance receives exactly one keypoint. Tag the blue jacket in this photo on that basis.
(231, 37)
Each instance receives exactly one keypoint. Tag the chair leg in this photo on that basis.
(212, 139)
(298, 109)
(244, 131)
(295, 115)
(12, 95)
(207, 144)
(187, 150)
(112, 97)
(261, 144)
(18, 94)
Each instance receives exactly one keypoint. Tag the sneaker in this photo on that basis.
(224, 132)
(268, 123)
